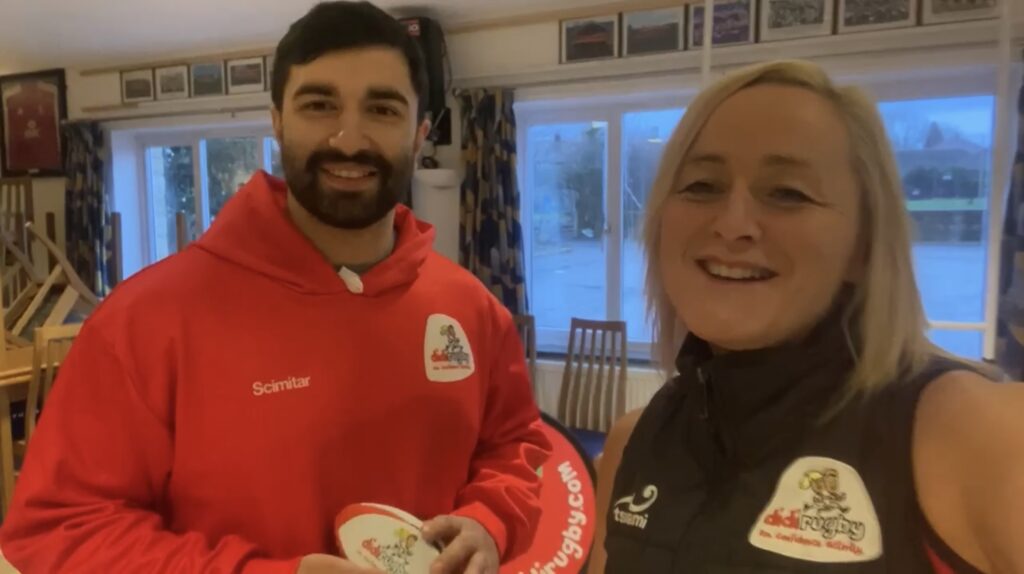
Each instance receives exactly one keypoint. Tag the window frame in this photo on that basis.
(955, 82)
(610, 110)
(969, 85)
(571, 106)
(194, 138)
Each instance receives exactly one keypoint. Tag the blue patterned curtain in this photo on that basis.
(88, 232)
(1010, 352)
(490, 233)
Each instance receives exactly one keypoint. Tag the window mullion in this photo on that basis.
(268, 154)
(525, 181)
(148, 204)
(202, 194)
(613, 214)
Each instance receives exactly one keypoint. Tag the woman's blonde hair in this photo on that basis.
(885, 314)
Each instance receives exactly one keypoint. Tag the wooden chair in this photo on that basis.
(75, 295)
(16, 207)
(15, 374)
(527, 327)
(19, 283)
(50, 347)
(6, 435)
(593, 394)
(52, 344)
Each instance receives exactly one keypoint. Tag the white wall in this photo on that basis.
(504, 51)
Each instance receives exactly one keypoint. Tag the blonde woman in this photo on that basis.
(812, 426)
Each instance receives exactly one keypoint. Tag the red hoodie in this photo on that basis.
(221, 407)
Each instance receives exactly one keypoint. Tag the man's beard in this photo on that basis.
(347, 210)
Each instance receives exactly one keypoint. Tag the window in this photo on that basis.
(196, 174)
(568, 260)
(587, 175)
(171, 181)
(276, 168)
(944, 151)
(589, 165)
(230, 162)
(644, 137)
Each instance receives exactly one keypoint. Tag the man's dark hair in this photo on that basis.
(341, 25)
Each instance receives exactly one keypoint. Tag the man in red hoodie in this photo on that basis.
(308, 352)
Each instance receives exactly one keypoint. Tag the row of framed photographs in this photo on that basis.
(746, 21)
(199, 80)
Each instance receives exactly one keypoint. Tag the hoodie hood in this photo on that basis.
(255, 231)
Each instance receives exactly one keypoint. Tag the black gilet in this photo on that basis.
(733, 469)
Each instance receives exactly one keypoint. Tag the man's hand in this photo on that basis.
(327, 564)
(469, 549)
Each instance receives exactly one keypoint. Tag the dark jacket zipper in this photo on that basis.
(690, 550)
(702, 380)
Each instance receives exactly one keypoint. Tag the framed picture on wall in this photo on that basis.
(207, 79)
(590, 39)
(733, 24)
(790, 19)
(172, 83)
(32, 107)
(653, 31)
(246, 75)
(137, 86)
(867, 15)
(941, 11)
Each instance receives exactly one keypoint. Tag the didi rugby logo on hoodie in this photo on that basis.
(821, 512)
(447, 354)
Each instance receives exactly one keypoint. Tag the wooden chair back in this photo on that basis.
(593, 394)
(527, 327)
(16, 208)
(183, 235)
(62, 283)
(51, 345)
(19, 281)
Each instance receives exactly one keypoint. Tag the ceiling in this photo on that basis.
(37, 34)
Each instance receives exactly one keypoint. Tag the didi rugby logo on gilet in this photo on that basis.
(447, 354)
(821, 512)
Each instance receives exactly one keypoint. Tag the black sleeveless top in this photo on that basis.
(731, 470)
